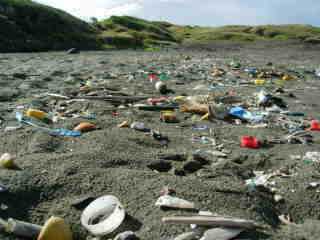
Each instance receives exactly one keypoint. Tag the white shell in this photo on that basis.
(174, 202)
(160, 86)
(221, 233)
(107, 208)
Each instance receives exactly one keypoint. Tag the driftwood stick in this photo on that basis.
(114, 98)
(211, 221)
(23, 229)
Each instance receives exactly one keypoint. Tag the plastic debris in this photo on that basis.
(40, 115)
(64, 133)
(250, 142)
(315, 125)
(55, 229)
(242, 114)
(103, 215)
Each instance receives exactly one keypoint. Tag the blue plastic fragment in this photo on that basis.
(65, 133)
(243, 114)
(200, 127)
(19, 116)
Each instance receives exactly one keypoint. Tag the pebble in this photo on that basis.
(278, 198)
(160, 165)
(192, 166)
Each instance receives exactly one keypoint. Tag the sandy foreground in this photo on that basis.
(56, 171)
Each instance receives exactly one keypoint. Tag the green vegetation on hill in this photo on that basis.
(129, 31)
(306, 33)
(29, 26)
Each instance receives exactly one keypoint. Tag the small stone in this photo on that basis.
(179, 172)
(192, 166)
(167, 191)
(3, 207)
(240, 159)
(201, 158)
(128, 235)
(278, 198)
(3, 188)
(173, 157)
(19, 75)
(160, 165)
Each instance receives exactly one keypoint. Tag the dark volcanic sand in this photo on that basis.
(57, 171)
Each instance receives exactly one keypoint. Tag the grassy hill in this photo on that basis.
(29, 26)
(306, 33)
(129, 31)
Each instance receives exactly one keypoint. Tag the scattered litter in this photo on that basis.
(183, 117)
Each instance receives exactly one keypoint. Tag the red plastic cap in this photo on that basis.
(250, 142)
(315, 125)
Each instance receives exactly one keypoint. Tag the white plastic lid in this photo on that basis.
(103, 216)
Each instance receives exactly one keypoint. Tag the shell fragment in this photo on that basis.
(174, 202)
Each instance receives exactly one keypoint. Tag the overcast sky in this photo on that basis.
(198, 12)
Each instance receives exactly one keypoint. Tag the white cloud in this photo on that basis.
(129, 8)
(96, 8)
(198, 12)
